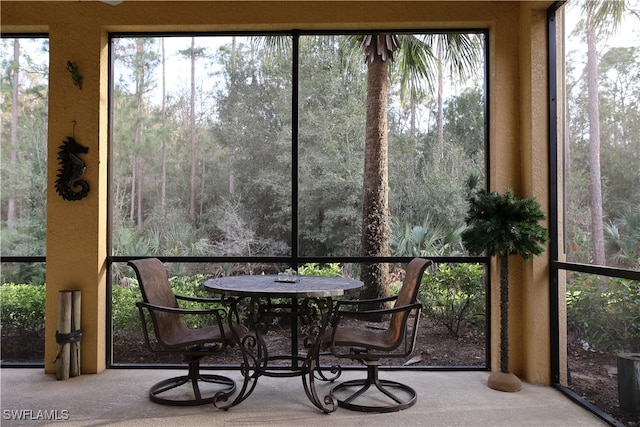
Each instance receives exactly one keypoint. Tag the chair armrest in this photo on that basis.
(376, 313)
(359, 302)
(215, 311)
(198, 299)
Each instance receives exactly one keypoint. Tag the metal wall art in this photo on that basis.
(68, 184)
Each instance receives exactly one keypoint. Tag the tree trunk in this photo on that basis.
(132, 197)
(140, 191)
(375, 210)
(504, 313)
(203, 180)
(440, 118)
(192, 126)
(233, 149)
(595, 181)
(163, 178)
(137, 165)
(13, 155)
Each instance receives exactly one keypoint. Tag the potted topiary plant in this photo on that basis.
(504, 225)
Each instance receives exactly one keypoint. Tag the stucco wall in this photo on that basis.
(78, 31)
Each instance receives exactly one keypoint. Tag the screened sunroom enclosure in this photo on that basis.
(299, 153)
(244, 154)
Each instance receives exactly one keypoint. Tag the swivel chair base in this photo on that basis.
(194, 377)
(382, 385)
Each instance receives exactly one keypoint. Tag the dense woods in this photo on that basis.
(255, 146)
(226, 117)
(206, 133)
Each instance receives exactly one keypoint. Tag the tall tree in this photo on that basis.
(620, 125)
(417, 59)
(137, 184)
(376, 230)
(192, 54)
(457, 54)
(13, 155)
(163, 134)
(192, 133)
(601, 18)
(23, 90)
(133, 84)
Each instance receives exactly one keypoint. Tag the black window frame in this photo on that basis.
(294, 260)
(556, 189)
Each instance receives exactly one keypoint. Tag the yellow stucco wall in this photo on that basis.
(78, 31)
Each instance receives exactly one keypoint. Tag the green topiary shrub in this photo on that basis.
(453, 296)
(22, 308)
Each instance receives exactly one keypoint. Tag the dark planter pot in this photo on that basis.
(629, 382)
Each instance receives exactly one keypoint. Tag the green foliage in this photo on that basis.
(167, 236)
(190, 286)
(23, 272)
(464, 121)
(22, 307)
(23, 157)
(428, 239)
(314, 269)
(453, 296)
(125, 315)
(504, 225)
(619, 109)
(623, 239)
(605, 313)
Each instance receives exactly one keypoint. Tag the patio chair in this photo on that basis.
(165, 332)
(369, 345)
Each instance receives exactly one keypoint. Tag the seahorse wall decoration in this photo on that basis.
(71, 168)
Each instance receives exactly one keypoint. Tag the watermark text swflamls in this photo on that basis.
(35, 414)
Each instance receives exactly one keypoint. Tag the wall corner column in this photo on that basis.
(535, 360)
(76, 230)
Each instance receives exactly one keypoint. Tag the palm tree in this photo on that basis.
(503, 225)
(417, 66)
(601, 19)
(376, 230)
(416, 59)
(623, 239)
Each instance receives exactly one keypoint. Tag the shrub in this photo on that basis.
(315, 269)
(453, 296)
(22, 308)
(124, 311)
(605, 312)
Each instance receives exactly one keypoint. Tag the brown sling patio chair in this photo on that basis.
(370, 345)
(160, 312)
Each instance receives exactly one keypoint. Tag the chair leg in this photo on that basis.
(384, 386)
(194, 377)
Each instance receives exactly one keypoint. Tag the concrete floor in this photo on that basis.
(118, 397)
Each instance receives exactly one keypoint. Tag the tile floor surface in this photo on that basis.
(118, 397)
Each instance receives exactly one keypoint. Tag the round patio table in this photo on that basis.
(272, 286)
(305, 298)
